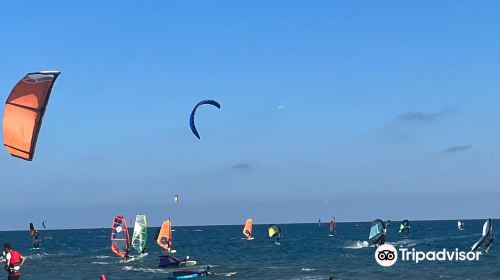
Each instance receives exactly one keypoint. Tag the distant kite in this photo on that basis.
(191, 118)
(24, 110)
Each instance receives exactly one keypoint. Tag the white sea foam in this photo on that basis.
(149, 270)
(101, 257)
(308, 269)
(357, 245)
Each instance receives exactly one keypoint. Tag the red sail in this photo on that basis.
(120, 239)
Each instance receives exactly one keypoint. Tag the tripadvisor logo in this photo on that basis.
(387, 255)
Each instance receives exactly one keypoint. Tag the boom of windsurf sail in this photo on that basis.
(404, 227)
(248, 229)
(34, 236)
(377, 233)
(164, 239)
(140, 234)
(486, 240)
(120, 239)
(24, 110)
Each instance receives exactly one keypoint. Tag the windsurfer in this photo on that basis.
(14, 261)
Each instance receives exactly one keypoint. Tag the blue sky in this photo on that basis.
(388, 109)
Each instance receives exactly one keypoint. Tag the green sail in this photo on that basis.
(140, 236)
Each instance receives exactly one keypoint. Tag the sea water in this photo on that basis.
(306, 252)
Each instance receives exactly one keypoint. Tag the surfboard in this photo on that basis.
(251, 238)
(187, 263)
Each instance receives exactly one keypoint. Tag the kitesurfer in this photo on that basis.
(13, 261)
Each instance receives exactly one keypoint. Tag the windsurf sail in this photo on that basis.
(176, 198)
(24, 110)
(460, 225)
(377, 233)
(140, 235)
(486, 240)
(404, 227)
(191, 118)
(34, 236)
(43, 224)
(164, 239)
(333, 225)
(274, 231)
(247, 230)
(120, 239)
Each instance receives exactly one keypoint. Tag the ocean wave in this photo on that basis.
(307, 269)
(309, 277)
(102, 263)
(35, 257)
(100, 257)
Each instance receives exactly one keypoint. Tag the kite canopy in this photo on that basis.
(191, 118)
(120, 239)
(247, 230)
(24, 110)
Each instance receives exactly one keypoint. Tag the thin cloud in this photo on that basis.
(415, 117)
(241, 166)
(454, 149)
